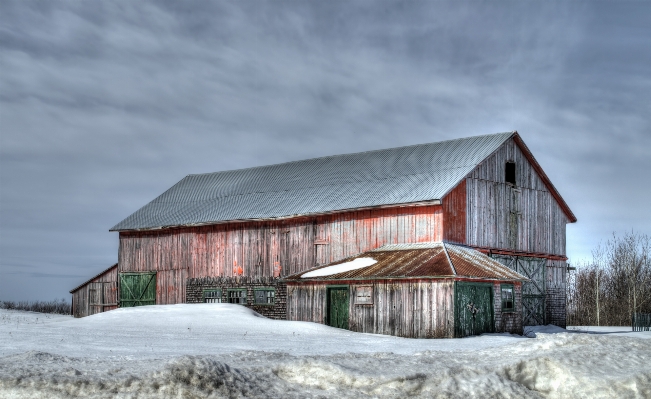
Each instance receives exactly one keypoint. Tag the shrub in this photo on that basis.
(58, 306)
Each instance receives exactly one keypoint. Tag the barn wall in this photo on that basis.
(408, 308)
(197, 286)
(556, 295)
(269, 249)
(522, 218)
(454, 206)
(508, 322)
(96, 296)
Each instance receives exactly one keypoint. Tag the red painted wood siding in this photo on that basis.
(270, 248)
(454, 214)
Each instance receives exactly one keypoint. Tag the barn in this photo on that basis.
(96, 295)
(235, 236)
(425, 290)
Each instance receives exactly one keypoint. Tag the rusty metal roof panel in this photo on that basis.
(418, 173)
(472, 263)
(420, 260)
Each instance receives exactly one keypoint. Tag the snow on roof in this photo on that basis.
(354, 264)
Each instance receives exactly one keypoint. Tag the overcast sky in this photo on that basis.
(104, 105)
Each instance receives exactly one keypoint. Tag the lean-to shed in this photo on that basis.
(99, 294)
(425, 290)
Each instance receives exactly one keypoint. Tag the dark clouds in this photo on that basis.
(104, 105)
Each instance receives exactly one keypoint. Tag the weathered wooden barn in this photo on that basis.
(233, 236)
(411, 290)
(99, 294)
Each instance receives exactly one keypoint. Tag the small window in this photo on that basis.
(264, 296)
(364, 295)
(508, 301)
(509, 175)
(237, 295)
(212, 296)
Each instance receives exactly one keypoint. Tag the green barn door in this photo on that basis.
(473, 306)
(338, 307)
(137, 289)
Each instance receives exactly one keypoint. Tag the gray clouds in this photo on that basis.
(104, 105)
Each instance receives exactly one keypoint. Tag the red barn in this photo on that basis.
(233, 236)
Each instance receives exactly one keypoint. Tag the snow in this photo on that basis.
(358, 263)
(222, 350)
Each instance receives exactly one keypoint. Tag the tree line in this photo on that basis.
(613, 285)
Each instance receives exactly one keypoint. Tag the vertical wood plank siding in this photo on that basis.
(271, 248)
(522, 218)
(407, 308)
(454, 206)
(98, 295)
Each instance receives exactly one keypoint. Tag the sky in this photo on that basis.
(105, 105)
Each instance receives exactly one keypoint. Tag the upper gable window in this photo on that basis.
(509, 173)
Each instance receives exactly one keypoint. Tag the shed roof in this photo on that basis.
(403, 175)
(93, 278)
(433, 260)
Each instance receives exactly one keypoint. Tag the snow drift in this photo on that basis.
(228, 351)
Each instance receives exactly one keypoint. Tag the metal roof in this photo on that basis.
(93, 278)
(426, 260)
(402, 175)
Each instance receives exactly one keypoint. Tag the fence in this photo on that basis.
(641, 321)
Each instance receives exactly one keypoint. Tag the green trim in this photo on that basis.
(136, 289)
(219, 290)
(326, 316)
(246, 295)
(264, 289)
(458, 309)
(505, 308)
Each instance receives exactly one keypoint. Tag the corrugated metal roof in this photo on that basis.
(435, 259)
(93, 278)
(401, 175)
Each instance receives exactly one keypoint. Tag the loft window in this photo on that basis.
(212, 296)
(509, 175)
(508, 302)
(264, 296)
(237, 295)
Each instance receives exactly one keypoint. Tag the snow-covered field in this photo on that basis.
(221, 350)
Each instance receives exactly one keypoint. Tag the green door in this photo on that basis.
(473, 306)
(137, 289)
(338, 307)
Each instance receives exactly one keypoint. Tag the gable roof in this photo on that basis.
(424, 260)
(93, 278)
(403, 175)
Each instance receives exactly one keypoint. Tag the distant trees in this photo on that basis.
(56, 306)
(616, 283)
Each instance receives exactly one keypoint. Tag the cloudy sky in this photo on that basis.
(104, 105)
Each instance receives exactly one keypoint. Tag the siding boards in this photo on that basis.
(97, 295)
(523, 218)
(414, 309)
(454, 206)
(269, 248)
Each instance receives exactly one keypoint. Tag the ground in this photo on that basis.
(222, 350)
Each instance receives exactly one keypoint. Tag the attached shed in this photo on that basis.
(99, 294)
(422, 290)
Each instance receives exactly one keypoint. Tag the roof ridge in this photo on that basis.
(447, 255)
(351, 153)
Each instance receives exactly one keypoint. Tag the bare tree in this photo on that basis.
(614, 285)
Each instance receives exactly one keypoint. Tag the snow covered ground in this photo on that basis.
(221, 350)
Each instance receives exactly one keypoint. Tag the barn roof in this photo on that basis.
(403, 175)
(424, 260)
(93, 278)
